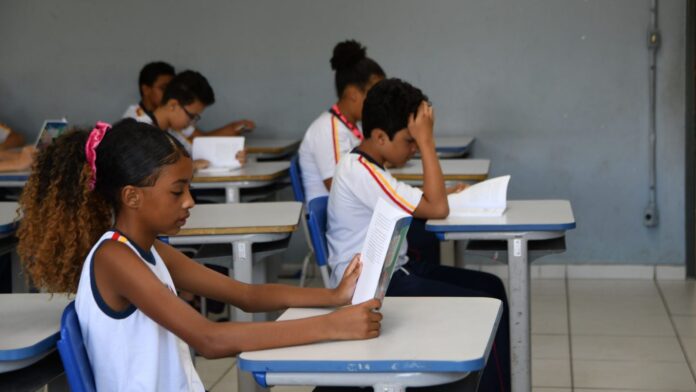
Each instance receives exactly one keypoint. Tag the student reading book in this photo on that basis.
(385, 235)
(397, 121)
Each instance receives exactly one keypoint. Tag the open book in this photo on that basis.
(380, 251)
(221, 151)
(487, 198)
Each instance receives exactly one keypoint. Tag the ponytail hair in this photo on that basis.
(62, 218)
(352, 66)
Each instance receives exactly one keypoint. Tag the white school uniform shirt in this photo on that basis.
(357, 186)
(143, 116)
(128, 350)
(323, 145)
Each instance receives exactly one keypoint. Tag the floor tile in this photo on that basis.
(686, 326)
(690, 348)
(631, 348)
(551, 373)
(633, 375)
(550, 347)
(612, 288)
(680, 296)
(549, 316)
(544, 389)
(212, 370)
(619, 324)
(228, 383)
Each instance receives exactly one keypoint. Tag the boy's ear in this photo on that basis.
(172, 104)
(380, 136)
(131, 196)
(353, 92)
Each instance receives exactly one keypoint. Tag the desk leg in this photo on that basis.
(19, 283)
(519, 315)
(242, 269)
(232, 195)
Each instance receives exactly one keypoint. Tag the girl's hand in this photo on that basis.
(345, 289)
(200, 164)
(242, 157)
(361, 321)
(457, 188)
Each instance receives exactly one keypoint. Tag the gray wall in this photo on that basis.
(555, 91)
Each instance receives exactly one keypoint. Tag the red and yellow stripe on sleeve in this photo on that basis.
(386, 187)
(334, 136)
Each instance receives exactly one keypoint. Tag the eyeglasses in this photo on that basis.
(193, 117)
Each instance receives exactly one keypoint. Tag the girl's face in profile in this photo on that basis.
(165, 205)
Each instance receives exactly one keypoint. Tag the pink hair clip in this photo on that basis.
(95, 137)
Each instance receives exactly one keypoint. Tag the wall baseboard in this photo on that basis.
(590, 271)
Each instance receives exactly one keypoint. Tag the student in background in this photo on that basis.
(11, 157)
(336, 131)
(153, 81)
(90, 226)
(9, 139)
(398, 121)
(185, 98)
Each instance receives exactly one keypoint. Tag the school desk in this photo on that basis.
(251, 175)
(13, 179)
(241, 225)
(270, 149)
(29, 328)
(449, 147)
(8, 225)
(523, 221)
(423, 341)
(452, 170)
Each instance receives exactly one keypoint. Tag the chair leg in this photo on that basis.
(305, 265)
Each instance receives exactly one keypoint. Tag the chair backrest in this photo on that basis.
(73, 354)
(296, 179)
(316, 220)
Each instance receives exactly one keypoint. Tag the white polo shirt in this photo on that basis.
(324, 143)
(143, 116)
(137, 112)
(357, 185)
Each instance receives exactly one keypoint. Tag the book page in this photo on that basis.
(487, 198)
(221, 152)
(381, 241)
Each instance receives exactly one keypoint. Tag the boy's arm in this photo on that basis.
(190, 276)
(129, 281)
(433, 204)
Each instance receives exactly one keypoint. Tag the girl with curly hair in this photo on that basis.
(93, 208)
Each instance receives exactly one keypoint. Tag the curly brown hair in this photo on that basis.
(62, 218)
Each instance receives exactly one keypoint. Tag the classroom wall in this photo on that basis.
(556, 92)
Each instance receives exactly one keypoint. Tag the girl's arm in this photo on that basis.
(190, 276)
(122, 279)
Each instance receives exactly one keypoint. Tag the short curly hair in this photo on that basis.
(388, 106)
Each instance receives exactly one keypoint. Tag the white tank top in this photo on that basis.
(128, 350)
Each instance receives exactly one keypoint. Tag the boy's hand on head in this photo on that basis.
(242, 157)
(362, 321)
(345, 289)
(420, 124)
(200, 164)
(456, 188)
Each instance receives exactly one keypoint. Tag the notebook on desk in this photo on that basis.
(50, 131)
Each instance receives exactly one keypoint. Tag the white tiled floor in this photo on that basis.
(588, 336)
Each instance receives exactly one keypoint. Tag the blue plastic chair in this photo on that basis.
(296, 179)
(73, 354)
(316, 221)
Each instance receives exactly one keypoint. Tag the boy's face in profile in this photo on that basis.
(152, 95)
(400, 149)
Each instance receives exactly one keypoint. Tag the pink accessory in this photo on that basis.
(95, 137)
